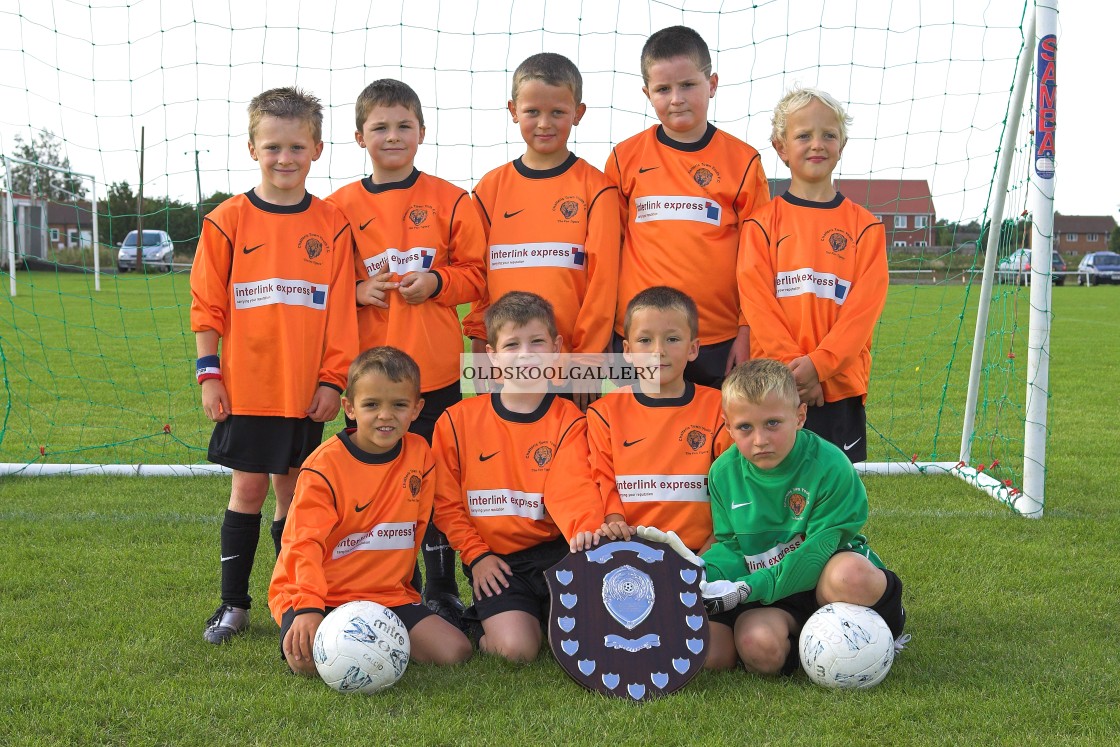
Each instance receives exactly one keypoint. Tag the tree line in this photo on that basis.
(117, 209)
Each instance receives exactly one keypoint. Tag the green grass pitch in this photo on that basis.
(105, 583)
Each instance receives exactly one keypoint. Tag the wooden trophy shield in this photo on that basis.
(627, 619)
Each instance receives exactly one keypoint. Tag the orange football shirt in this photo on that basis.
(682, 206)
(650, 457)
(813, 281)
(554, 232)
(507, 481)
(420, 224)
(276, 282)
(355, 527)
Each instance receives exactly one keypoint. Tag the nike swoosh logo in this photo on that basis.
(363, 226)
(359, 509)
(250, 250)
(510, 215)
(631, 443)
(482, 458)
(740, 505)
(651, 168)
(853, 443)
(229, 557)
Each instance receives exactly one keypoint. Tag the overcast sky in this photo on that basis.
(927, 82)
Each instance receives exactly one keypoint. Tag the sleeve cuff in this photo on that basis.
(474, 562)
(329, 385)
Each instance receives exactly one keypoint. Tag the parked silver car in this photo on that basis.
(1099, 267)
(1015, 268)
(158, 251)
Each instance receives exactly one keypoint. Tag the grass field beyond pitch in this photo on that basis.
(106, 582)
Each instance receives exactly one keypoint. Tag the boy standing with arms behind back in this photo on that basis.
(684, 189)
(273, 281)
(814, 304)
(419, 245)
(550, 217)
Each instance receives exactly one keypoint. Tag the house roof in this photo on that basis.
(1084, 223)
(892, 196)
(69, 214)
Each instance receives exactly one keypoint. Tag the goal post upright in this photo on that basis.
(991, 252)
(1040, 197)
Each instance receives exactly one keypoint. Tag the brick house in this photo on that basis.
(904, 205)
(1081, 234)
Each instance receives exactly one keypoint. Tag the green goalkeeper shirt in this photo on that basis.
(776, 528)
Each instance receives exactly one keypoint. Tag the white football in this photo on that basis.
(846, 646)
(361, 647)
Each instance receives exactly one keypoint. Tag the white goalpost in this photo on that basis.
(1039, 38)
(10, 223)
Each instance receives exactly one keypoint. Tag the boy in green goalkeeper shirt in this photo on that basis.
(787, 511)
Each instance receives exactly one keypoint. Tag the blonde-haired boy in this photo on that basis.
(787, 511)
(814, 304)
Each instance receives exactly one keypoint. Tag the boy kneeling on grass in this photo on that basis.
(366, 479)
(787, 510)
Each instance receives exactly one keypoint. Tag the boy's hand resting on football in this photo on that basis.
(720, 596)
(299, 641)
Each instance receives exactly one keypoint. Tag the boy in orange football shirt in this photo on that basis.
(550, 217)
(362, 502)
(419, 254)
(684, 189)
(651, 449)
(513, 486)
(814, 305)
(273, 282)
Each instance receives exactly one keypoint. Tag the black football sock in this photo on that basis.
(277, 531)
(890, 606)
(240, 533)
(439, 562)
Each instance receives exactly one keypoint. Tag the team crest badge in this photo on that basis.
(417, 216)
(627, 619)
(312, 244)
(543, 455)
(414, 485)
(796, 501)
(696, 439)
(568, 208)
(837, 242)
(703, 177)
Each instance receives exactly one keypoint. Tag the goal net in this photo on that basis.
(98, 366)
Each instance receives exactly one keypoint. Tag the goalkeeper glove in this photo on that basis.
(653, 534)
(721, 596)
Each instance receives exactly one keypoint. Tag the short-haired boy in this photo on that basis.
(513, 486)
(362, 501)
(684, 189)
(273, 281)
(419, 253)
(788, 508)
(651, 449)
(814, 303)
(550, 217)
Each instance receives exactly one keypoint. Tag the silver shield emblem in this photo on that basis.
(628, 595)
